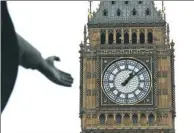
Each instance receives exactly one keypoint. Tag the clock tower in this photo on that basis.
(127, 70)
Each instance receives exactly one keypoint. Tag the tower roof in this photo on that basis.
(133, 11)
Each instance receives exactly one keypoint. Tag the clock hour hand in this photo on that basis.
(127, 80)
(131, 75)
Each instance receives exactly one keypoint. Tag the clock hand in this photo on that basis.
(127, 80)
(138, 72)
(131, 75)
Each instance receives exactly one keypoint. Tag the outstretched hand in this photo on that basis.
(54, 74)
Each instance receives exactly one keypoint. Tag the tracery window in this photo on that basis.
(134, 118)
(118, 119)
(110, 38)
(150, 37)
(142, 38)
(134, 12)
(103, 37)
(126, 37)
(118, 37)
(143, 119)
(134, 38)
(140, 2)
(102, 119)
(118, 12)
(105, 12)
(151, 119)
(148, 12)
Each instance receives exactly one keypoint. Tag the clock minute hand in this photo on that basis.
(138, 72)
(131, 75)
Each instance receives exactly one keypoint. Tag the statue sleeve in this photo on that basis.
(29, 57)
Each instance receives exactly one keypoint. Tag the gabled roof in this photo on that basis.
(126, 12)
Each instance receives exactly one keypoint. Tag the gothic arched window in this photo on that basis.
(134, 38)
(118, 38)
(110, 119)
(118, 12)
(134, 119)
(140, 2)
(143, 119)
(118, 119)
(150, 37)
(142, 38)
(110, 38)
(105, 12)
(126, 119)
(102, 119)
(126, 38)
(134, 12)
(102, 38)
(148, 11)
(151, 119)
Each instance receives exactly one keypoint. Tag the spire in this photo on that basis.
(90, 6)
(163, 11)
(168, 34)
(90, 11)
(162, 6)
(85, 29)
(165, 17)
(85, 35)
(172, 44)
(111, 16)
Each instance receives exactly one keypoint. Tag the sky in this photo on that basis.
(56, 28)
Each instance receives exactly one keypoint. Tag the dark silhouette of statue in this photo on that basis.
(17, 51)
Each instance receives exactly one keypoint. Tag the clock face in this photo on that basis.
(126, 81)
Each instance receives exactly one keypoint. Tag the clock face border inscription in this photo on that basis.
(146, 61)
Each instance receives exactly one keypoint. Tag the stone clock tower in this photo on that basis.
(127, 70)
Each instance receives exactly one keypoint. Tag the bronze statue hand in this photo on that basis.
(52, 73)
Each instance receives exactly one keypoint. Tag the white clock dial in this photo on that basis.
(126, 81)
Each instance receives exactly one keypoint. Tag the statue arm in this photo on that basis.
(29, 57)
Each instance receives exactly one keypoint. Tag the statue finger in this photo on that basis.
(65, 74)
(56, 58)
(67, 79)
(66, 83)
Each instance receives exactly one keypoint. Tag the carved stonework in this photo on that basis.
(81, 85)
(129, 131)
(149, 101)
(97, 81)
(173, 79)
(155, 112)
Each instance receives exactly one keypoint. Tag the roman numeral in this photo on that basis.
(126, 65)
(145, 80)
(142, 81)
(110, 81)
(135, 95)
(141, 89)
(141, 72)
(119, 93)
(112, 89)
